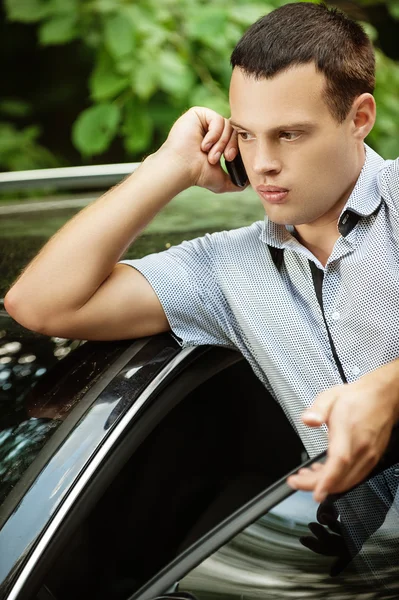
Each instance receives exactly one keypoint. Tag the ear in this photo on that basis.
(363, 115)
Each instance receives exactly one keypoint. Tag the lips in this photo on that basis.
(273, 194)
(271, 189)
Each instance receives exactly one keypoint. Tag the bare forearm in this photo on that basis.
(80, 257)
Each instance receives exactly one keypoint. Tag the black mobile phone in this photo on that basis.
(236, 170)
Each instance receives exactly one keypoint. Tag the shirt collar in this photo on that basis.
(363, 201)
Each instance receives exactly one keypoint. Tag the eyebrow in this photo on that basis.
(290, 126)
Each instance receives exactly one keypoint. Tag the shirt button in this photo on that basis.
(355, 371)
(335, 315)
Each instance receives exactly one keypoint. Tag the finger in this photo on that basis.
(339, 459)
(321, 408)
(215, 124)
(305, 480)
(231, 149)
(219, 146)
(316, 466)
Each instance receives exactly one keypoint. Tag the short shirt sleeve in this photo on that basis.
(183, 279)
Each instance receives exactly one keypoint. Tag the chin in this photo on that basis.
(279, 218)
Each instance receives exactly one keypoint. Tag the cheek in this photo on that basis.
(323, 160)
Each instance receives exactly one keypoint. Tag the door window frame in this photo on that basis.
(221, 535)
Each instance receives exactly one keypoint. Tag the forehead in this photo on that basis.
(293, 95)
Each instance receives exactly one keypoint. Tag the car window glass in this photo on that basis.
(41, 379)
(346, 547)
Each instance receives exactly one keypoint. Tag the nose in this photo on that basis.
(265, 160)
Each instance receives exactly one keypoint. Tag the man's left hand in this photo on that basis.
(360, 417)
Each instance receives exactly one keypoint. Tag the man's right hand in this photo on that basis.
(199, 138)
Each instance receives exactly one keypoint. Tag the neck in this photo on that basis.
(319, 241)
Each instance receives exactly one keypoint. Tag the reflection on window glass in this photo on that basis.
(41, 380)
(27, 420)
(346, 547)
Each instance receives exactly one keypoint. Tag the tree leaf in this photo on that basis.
(58, 30)
(12, 107)
(393, 8)
(26, 11)
(163, 115)
(34, 155)
(145, 78)
(175, 76)
(105, 82)
(209, 22)
(202, 96)
(104, 6)
(137, 128)
(63, 7)
(246, 14)
(95, 128)
(119, 35)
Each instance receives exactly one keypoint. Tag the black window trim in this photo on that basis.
(220, 535)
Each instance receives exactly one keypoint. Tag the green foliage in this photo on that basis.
(20, 150)
(58, 30)
(150, 57)
(155, 58)
(385, 134)
(95, 128)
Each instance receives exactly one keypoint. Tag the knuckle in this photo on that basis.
(372, 456)
(343, 460)
(363, 447)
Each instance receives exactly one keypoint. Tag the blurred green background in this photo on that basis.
(101, 81)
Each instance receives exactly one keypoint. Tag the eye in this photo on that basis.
(289, 135)
(244, 135)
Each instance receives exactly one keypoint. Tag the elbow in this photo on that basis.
(24, 313)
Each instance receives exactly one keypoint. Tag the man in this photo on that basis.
(310, 295)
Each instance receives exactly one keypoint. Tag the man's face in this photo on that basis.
(289, 139)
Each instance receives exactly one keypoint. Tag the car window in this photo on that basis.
(41, 380)
(218, 447)
(346, 547)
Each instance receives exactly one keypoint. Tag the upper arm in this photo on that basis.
(125, 306)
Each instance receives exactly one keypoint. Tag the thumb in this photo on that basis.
(319, 412)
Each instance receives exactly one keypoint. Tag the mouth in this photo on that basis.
(272, 193)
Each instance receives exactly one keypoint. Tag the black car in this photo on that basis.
(138, 469)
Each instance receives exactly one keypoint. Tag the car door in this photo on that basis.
(203, 443)
(80, 402)
(285, 545)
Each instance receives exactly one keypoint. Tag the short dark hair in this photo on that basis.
(301, 33)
